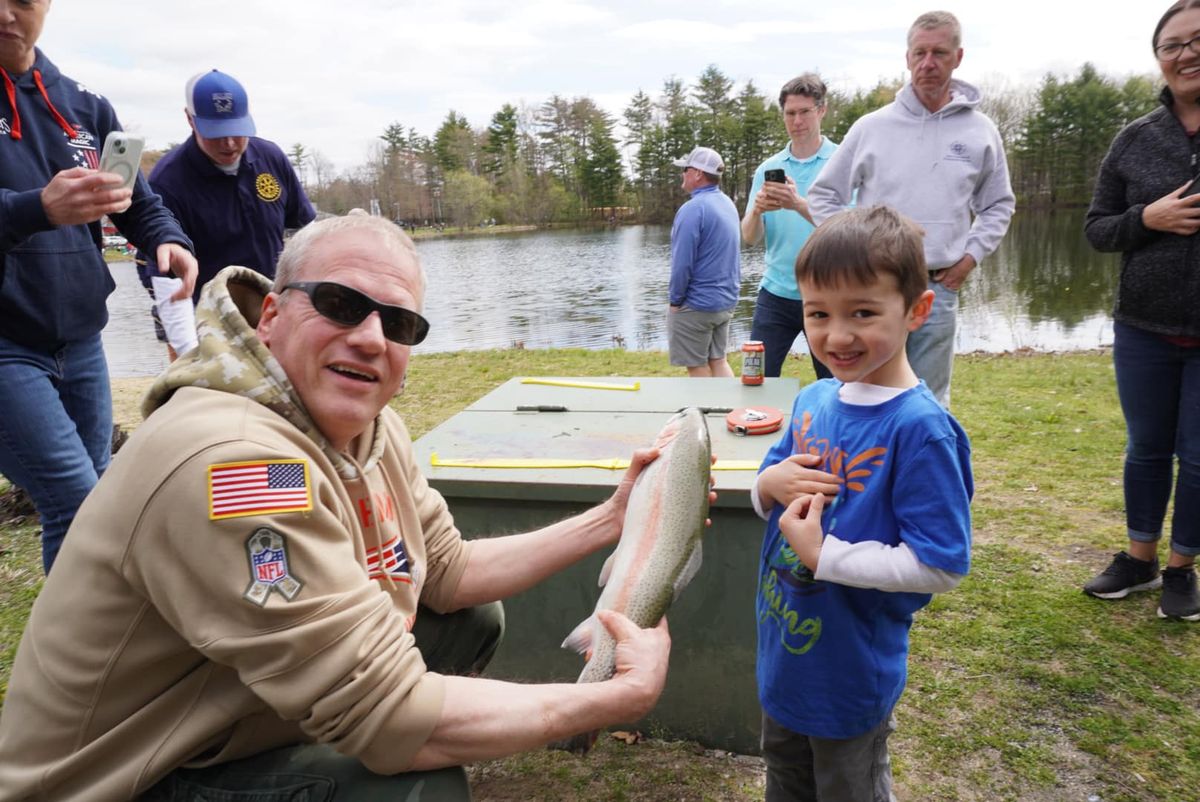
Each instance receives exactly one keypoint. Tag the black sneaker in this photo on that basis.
(1123, 576)
(1180, 598)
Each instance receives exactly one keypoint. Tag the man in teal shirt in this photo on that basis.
(781, 211)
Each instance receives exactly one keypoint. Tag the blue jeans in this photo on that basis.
(931, 348)
(1159, 387)
(55, 430)
(778, 321)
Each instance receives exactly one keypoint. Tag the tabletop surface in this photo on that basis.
(580, 423)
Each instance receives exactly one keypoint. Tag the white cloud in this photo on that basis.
(332, 75)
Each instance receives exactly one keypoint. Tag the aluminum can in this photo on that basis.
(752, 362)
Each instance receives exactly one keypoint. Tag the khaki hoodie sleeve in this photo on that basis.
(446, 552)
(328, 648)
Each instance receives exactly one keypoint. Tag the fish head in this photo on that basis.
(688, 422)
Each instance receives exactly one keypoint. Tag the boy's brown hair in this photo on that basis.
(857, 245)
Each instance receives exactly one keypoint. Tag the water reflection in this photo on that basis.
(129, 342)
(1045, 289)
(587, 289)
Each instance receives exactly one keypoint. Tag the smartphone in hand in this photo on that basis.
(775, 176)
(122, 155)
(1192, 188)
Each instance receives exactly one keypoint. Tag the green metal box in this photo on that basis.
(710, 695)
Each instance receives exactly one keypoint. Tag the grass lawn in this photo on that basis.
(1020, 687)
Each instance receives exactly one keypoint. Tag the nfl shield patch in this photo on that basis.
(267, 550)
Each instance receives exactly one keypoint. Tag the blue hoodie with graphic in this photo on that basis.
(53, 279)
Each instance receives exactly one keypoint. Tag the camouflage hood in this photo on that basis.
(232, 359)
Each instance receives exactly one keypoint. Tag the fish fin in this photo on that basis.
(606, 569)
(580, 639)
(690, 569)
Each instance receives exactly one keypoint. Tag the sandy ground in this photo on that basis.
(127, 400)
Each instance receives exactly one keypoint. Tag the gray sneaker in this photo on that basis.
(1124, 575)
(1180, 598)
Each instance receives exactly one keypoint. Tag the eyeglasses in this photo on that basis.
(1173, 50)
(349, 307)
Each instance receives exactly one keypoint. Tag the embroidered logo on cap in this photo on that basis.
(222, 102)
(236, 489)
(267, 550)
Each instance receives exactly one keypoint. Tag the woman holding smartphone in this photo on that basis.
(1142, 208)
(56, 426)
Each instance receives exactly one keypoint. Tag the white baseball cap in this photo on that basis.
(706, 160)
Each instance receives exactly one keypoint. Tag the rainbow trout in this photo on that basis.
(659, 550)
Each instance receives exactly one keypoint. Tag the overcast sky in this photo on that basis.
(332, 75)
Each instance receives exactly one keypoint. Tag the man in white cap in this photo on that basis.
(234, 194)
(706, 268)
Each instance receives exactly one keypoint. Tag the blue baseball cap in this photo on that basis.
(218, 105)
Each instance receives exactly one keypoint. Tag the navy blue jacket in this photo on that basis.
(53, 279)
(232, 219)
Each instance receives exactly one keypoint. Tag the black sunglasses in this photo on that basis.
(349, 307)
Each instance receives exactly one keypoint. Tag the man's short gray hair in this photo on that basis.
(296, 251)
(807, 85)
(932, 20)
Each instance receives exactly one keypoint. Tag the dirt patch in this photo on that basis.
(647, 771)
(16, 507)
(127, 400)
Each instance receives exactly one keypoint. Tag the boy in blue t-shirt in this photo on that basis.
(867, 500)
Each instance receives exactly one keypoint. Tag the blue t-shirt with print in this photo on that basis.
(832, 659)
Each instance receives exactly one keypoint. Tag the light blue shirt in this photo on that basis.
(786, 230)
(706, 258)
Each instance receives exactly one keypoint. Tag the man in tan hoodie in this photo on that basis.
(237, 606)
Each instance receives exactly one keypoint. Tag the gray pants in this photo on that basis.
(801, 768)
(458, 643)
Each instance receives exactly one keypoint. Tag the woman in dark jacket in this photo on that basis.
(55, 403)
(1145, 208)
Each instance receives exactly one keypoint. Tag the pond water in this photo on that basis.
(1044, 289)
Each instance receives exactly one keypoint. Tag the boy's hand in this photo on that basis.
(801, 527)
(796, 476)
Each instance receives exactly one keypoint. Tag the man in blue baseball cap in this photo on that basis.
(234, 194)
(218, 108)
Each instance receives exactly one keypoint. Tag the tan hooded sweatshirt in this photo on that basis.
(230, 586)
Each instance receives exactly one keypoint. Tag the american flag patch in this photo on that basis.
(236, 489)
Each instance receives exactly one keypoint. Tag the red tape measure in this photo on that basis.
(754, 420)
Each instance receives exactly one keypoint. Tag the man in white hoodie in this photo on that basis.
(934, 156)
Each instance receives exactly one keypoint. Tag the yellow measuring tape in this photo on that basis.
(583, 385)
(506, 463)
